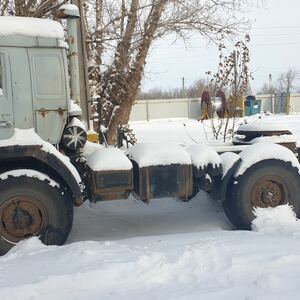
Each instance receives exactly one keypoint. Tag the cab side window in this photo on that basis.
(48, 78)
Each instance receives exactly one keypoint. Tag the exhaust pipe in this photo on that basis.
(70, 12)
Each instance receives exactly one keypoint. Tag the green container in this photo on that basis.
(252, 106)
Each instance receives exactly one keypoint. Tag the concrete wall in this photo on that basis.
(295, 103)
(166, 108)
(191, 108)
(277, 103)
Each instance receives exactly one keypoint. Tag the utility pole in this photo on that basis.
(288, 102)
(272, 93)
(183, 87)
(83, 73)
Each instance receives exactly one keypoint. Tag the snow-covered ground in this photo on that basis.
(188, 131)
(164, 250)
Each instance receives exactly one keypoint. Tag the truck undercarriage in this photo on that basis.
(46, 167)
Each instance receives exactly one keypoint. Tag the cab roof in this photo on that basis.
(30, 32)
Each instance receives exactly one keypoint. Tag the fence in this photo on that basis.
(191, 108)
(166, 108)
(278, 103)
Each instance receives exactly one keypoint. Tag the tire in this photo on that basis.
(268, 183)
(31, 207)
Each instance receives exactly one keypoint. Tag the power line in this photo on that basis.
(275, 34)
(275, 44)
(283, 43)
(275, 27)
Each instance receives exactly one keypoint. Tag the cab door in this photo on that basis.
(49, 92)
(6, 106)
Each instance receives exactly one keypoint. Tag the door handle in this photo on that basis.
(5, 124)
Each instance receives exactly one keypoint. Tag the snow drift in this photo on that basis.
(280, 220)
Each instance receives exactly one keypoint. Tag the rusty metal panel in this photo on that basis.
(109, 185)
(163, 181)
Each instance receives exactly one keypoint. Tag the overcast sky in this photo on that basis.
(275, 47)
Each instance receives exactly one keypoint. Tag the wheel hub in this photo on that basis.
(22, 217)
(267, 196)
(74, 137)
(269, 191)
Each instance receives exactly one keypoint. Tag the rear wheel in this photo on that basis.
(268, 183)
(32, 207)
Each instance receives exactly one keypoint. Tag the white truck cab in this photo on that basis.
(34, 77)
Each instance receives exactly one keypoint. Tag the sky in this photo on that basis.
(274, 48)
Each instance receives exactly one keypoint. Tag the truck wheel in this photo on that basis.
(268, 183)
(32, 207)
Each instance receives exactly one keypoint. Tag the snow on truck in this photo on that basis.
(46, 169)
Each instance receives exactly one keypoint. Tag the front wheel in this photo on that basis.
(30, 207)
(268, 183)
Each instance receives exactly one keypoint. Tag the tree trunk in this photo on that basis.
(114, 81)
(134, 77)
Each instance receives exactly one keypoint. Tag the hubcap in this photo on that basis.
(22, 217)
(269, 191)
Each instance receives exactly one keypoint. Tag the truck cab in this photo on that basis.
(34, 78)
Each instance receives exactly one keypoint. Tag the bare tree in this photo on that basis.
(232, 77)
(29, 8)
(268, 89)
(197, 88)
(193, 91)
(159, 93)
(128, 31)
(286, 81)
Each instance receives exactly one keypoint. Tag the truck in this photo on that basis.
(47, 167)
